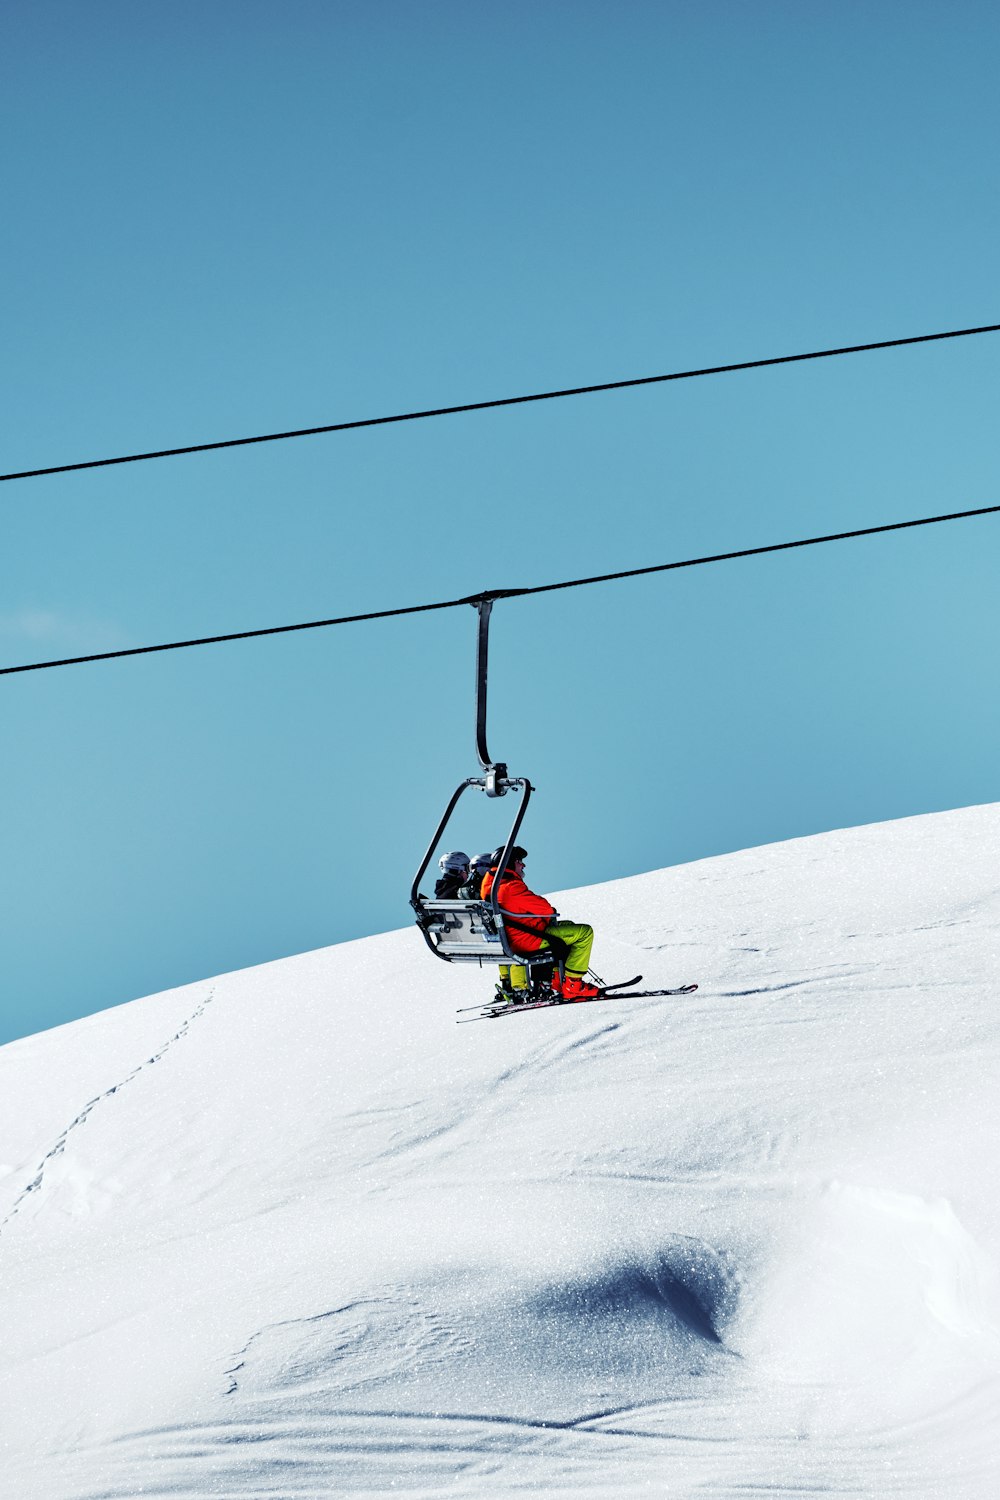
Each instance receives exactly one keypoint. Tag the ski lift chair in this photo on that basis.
(477, 932)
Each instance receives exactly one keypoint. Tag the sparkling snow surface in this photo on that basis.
(294, 1232)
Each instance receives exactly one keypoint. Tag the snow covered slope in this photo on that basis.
(294, 1232)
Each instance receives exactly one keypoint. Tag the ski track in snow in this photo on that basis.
(35, 1185)
(667, 1447)
(414, 1137)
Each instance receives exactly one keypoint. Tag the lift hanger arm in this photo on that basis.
(496, 771)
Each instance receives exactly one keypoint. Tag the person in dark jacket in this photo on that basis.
(454, 868)
(541, 917)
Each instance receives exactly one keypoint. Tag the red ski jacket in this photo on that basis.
(513, 895)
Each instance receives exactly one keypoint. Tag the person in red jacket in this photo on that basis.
(541, 917)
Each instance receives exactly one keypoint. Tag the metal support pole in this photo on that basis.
(496, 771)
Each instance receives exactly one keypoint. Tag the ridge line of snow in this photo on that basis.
(60, 1145)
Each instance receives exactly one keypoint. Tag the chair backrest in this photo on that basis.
(463, 930)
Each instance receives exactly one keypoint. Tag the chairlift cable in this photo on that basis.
(468, 406)
(494, 594)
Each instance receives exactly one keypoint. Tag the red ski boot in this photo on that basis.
(575, 987)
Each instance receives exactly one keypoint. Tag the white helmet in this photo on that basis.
(454, 863)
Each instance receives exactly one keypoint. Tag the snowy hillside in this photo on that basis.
(292, 1232)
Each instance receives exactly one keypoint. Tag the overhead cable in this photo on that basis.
(449, 411)
(516, 593)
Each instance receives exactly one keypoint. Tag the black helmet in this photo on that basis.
(515, 854)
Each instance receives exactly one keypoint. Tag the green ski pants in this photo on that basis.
(579, 937)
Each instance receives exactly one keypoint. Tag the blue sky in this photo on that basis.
(229, 219)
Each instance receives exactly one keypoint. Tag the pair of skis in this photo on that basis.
(621, 991)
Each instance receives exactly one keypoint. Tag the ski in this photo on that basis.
(608, 992)
(682, 989)
(524, 1005)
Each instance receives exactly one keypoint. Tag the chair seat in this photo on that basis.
(469, 931)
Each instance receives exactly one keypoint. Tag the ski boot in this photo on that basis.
(576, 987)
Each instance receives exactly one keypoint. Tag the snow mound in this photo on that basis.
(291, 1232)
